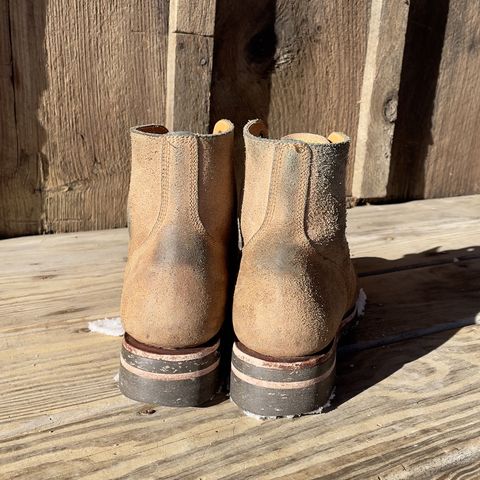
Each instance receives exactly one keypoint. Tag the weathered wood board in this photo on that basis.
(379, 100)
(409, 410)
(403, 410)
(189, 65)
(296, 65)
(439, 232)
(83, 75)
(21, 83)
(74, 78)
(436, 149)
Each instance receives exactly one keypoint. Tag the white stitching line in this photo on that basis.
(174, 357)
(282, 385)
(168, 376)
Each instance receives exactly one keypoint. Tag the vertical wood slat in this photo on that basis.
(8, 134)
(83, 74)
(452, 166)
(196, 18)
(379, 99)
(189, 64)
(296, 64)
(107, 62)
(20, 132)
(437, 146)
(319, 64)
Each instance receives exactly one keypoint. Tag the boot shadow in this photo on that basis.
(410, 312)
(432, 298)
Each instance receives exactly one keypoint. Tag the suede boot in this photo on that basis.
(296, 287)
(175, 286)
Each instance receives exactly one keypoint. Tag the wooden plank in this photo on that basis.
(436, 149)
(196, 18)
(89, 72)
(189, 65)
(44, 271)
(410, 303)
(21, 135)
(453, 167)
(405, 410)
(379, 99)
(444, 291)
(8, 134)
(56, 397)
(53, 279)
(410, 409)
(297, 65)
(385, 238)
(188, 82)
(440, 298)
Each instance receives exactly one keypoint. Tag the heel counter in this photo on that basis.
(174, 291)
(287, 301)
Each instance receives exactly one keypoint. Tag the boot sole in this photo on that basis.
(174, 378)
(267, 387)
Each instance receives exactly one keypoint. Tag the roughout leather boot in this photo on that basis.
(296, 288)
(175, 286)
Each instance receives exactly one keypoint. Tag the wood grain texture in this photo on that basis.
(40, 273)
(196, 18)
(435, 150)
(453, 164)
(405, 410)
(62, 278)
(296, 64)
(84, 73)
(410, 409)
(379, 100)
(385, 238)
(188, 82)
(21, 134)
(419, 300)
(189, 65)
(74, 78)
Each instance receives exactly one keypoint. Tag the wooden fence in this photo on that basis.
(399, 76)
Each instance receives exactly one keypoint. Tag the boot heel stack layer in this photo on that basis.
(175, 378)
(269, 387)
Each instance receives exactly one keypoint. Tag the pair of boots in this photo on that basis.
(296, 287)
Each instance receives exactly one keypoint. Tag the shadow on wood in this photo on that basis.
(244, 51)
(428, 303)
(418, 87)
(398, 300)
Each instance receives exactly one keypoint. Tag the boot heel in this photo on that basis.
(270, 388)
(175, 378)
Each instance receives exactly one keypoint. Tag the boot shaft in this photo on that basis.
(180, 216)
(296, 280)
(181, 180)
(294, 188)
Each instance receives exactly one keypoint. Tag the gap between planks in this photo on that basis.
(383, 422)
